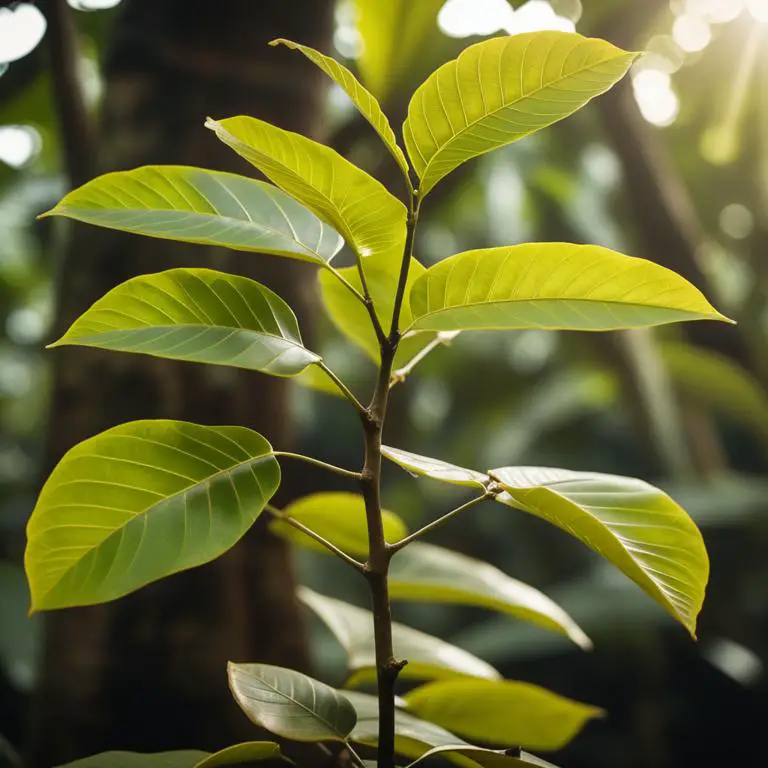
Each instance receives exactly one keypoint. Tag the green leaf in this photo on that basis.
(239, 754)
(290, 704)
(197, 315)
(424, 572)
(434, 468)
(363, 99)
(502, 712)
(501, 90)
(142, 501)
(186, 759)
(635, 526)
(487, 758)
(338, 517)
(428, 657)
(351, 317)
(370, 219)
(315, 378)
(207, 207)
(717, 382)
(552, 286)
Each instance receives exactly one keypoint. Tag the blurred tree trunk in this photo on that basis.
(148, 672)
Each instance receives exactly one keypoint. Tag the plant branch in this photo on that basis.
(345, 390)
(368, 301)
(343, 280)
(441, 339)
(414, 205)
(397, 546)
(322, 464)
(280, 515)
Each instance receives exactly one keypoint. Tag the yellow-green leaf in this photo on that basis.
(142, 501)
(486, 758)
(501, 90)
(553, 286)
(197, 315)
(434, 468)
(207, 207)
(339, 518)
(363, 99)
(369, 218)
(633, 525)
(507, 713)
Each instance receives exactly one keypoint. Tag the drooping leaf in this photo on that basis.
(635, 526)
(552, 286)
(424, 572)
(501, 90)
(363, 99)
(428, 657)
(717, 382)
(184, 759)
(338, 517)
(507, 713)
(434, 468)
(486, 758)
(207, 207)
(142, 501)
(352, 319)
(369, 218)
(290, 704)
(242, 754)
(198, 315)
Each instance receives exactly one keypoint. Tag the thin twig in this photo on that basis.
(345, 390)
(280, 515)
(400, 375)
(414, 205)
(397, 546)
(323, 464)
(343, 280)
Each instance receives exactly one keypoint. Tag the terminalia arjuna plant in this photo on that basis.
(148, 499)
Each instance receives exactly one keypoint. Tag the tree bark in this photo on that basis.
(148, 672)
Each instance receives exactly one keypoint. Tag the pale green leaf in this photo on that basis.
(363, 99)
(424, 572)
(507, 713)
(552, 286)
(242, 754)
(290, 704)
(142, 501)
(315, 378)
(184, 759)
(487, 758)
(338, 517)
(197, 315)
(501, 90)
(428, 657)
(434, 468)
(370, 219)
(207, 207)
(633, 525)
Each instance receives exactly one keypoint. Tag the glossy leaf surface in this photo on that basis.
(290, 704)
(552, 286)
(338, 517)
(428, 657)
(197, 315)
(434, 468)
(369, 218)
(207, 207)
(507, 713)
(501, 90)
(428, 573)
(142, 501)
(363, 99)
(633, 525)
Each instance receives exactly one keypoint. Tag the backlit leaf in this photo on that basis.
(635, 526)
(369, 218)
(207, 207)
(428, 657)
(434, 468)
(338, 517)
(507, 713)
(197, 315)
(428, 573)
(501, 90)
(290, 704)
(142, 501)
(552, 286)
(363, 99)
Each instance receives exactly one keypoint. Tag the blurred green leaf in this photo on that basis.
(487, 758)
(188, 759)
(290, 704)
(142, 501)
(198, 315)
(250, 752)
(20, 639)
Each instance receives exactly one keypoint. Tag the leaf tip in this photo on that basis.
(55, 211)
(280, 41)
